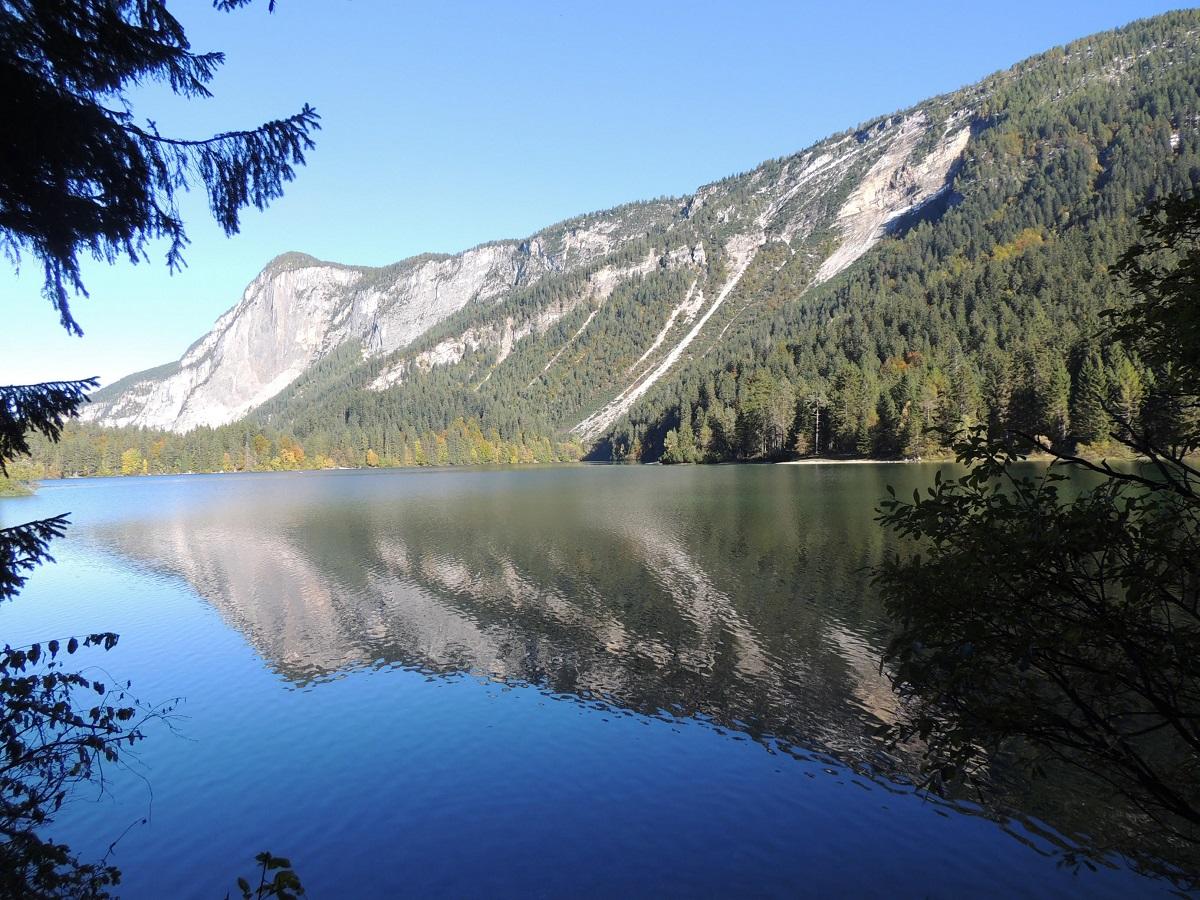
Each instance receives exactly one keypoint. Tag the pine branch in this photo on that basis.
(104, 186)
(23, 548)
(42, 408)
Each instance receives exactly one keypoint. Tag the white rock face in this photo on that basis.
(298, 309)
(891, 188)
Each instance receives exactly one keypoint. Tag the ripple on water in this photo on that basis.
(560, 681)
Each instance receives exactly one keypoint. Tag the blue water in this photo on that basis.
(575, 681)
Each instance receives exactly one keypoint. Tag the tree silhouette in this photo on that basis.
(1048, 623)
(79, 173)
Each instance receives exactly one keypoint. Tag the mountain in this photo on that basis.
(933, 266)
(299, 309)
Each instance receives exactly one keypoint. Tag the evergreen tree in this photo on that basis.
(887, 431)
(1092, 424)
(1127, 391)
(997, 392)
(105, 184)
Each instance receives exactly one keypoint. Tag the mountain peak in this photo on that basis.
(290, 260)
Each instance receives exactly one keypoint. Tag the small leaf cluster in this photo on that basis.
(276, 879)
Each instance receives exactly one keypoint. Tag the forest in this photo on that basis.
(983, 308)
(988, 313)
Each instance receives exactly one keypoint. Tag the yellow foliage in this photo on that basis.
(1025, 239)
(1012, 143)
(132, 462)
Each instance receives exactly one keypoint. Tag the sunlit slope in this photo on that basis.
(975, 222)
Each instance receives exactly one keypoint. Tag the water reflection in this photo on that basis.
(728, 598)
(740, 597)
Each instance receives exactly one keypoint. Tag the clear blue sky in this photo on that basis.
(448, 124)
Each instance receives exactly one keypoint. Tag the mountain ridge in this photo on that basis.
(615, 328)
(573, 236)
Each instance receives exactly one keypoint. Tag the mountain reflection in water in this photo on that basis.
(519, 682)
(749, 607)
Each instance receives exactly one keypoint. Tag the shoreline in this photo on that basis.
(818, 461)
(30, 486)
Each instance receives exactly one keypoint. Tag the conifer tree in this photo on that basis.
(1090, 421)
(1056, 626)
(105, 184)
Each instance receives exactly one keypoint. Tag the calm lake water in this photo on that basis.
(546, 681)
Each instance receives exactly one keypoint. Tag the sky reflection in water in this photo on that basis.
(585, 680)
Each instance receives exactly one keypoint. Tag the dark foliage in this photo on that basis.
(80, 174)
(58, 729)
(276, 879)
(1047, 622)
(23, 548)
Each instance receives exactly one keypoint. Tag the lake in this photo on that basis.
(580, 680)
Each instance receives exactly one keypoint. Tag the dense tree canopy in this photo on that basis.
(1050, 622)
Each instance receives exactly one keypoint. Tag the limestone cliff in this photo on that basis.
(567, 331)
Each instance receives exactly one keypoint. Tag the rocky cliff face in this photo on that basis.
(571, 328)
(299, 309)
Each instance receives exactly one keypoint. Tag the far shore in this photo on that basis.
(12, 489)
(819, 461)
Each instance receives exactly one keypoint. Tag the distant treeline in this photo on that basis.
(87, 449)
